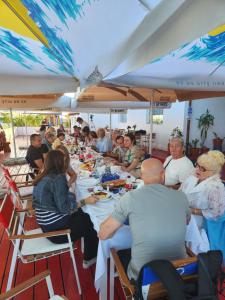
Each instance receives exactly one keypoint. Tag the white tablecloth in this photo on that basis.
(98, 213)
(196, 236)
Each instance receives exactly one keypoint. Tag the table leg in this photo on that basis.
(111, 277)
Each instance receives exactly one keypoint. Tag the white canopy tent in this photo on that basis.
(171, 25)
(196, 66)
(55, 46)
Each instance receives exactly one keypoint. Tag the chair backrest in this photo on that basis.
(5, 172)
(8, 216)
(156, 289)
(186, 267)
(30, 283)
(12, 185)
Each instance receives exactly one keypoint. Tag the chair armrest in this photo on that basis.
(25, 183)
(25, 285)
(24, 210)
(40, 235)
(19, 174)
(119, 267)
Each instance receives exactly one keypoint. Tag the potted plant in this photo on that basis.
(217, 142)
(176, 132)
(205, 121)
(195, 150)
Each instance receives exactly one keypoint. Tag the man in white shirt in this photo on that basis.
(177, 166)
(82, 123)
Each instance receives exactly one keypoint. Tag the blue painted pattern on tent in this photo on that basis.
(210, 48)
(63, 52)
(16, 49)
(60, 50)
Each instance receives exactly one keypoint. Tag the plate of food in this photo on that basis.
(88, 166)
(117, 183)
(102, 195)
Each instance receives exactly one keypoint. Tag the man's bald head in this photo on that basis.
(152, 171)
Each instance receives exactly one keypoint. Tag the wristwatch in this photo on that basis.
(82, 203)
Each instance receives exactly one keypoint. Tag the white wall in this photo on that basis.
(216, 107)
(173, 117)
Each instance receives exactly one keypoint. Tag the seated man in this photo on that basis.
(49, 139)
(177, 166)
(36, 152)
(157, 216)
(104, 144)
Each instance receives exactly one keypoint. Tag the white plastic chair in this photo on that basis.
(32, 245)
(31, 282)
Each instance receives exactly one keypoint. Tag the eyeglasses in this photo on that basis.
(202, 169)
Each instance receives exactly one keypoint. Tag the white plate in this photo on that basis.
(108, 197)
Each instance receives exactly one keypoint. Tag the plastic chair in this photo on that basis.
(30, 283)
(7, 174)
(156, 289)
(22, 195)
(32, 245)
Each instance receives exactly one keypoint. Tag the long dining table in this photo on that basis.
(122, 238)
(98, 213)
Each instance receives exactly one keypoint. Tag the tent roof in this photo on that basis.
(38, 102)
(114, 93)
(55, 46)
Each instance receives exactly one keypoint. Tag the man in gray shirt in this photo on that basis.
(157, 216)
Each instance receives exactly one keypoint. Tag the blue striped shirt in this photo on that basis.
(45, 217)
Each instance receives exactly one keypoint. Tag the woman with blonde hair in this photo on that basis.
(206, 196)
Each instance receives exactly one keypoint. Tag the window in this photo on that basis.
(123, 118)
(157, 116)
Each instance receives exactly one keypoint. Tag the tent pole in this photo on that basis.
(151, 122)
(26, 128)
(188, 125)
(13, 134)
(110, 122)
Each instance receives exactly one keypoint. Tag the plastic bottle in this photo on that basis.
(129, 184)
(81, 156)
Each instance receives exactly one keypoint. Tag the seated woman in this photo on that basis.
(104, 144)
(85, 132)
(119, 150)
(205, 190)
(61, 129)
(56, 208)
(133, 156)
(59, 140)
(69, 170)
(93, 140)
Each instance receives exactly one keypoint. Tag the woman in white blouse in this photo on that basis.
(205, 190)
(206, 196)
